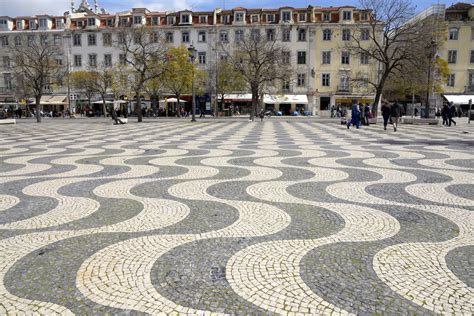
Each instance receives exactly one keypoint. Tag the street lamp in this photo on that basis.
(192, 57)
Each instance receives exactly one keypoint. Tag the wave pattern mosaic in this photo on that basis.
(235, 218)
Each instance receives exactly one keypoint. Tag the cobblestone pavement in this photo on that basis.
(235, 217)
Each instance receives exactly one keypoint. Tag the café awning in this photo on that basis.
(459, 98)
(285, 98)
(54, 99)
(173, 100)
(242, 97)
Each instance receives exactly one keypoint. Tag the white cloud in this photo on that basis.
(33, 7)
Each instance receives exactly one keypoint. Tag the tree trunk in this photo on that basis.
(178, 106)
(154, 103)
(254, 103)
(138, 106)
(38, 108)
(104, 107)
(378, 94)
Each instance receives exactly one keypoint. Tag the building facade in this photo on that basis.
(313, 36)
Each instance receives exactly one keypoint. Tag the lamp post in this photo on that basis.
(192, 57)
(432, 53)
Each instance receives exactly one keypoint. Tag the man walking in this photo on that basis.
(395, 113)
(451, 114)
(355, 119)
(385, 114)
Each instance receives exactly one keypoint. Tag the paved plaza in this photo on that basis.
(235, 217)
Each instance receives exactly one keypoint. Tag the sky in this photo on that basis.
(58, 7)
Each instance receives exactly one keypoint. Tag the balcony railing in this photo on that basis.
(344, 89)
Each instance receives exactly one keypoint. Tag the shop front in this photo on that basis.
(287, 104)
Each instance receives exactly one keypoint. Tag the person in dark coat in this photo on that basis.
(451, 114)
(444, 114)
(385, 114)
(366, 114)
(355, 120)
(395, 113)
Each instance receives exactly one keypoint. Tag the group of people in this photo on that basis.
(391, 113)
(447, 113)
(360, 114)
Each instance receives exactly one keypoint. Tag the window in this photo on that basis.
(344, 83)
(92, 60)
(155, 20)
(326, 80)
(77, 61)
(59, 61)
(471, 80)
(255, 34)
(301, 60)
(270, 35)
(31, 39)
(285, 58)
(345, 58)
(302, 35)
(364, 58)
(6, 62)
(326, 16)
(452, 56)
(59, 23)
(91, 40)
(364, 16)
(169, 37)
(107, 39)
(286, 35)
(91, 21)
(154, 37)
(254, 18)
(286, 16)
(347, 15)
(17, 41)
(76, 40)
(302, 17)
(202, 36)
(137, 19)
(346, 35)
(19, 25)
(80, 24)
(239, 17)
(203, 19)
(137, 38)
(472, 33)
(285, 85)
(185, 19)
(57, 39)
(301, 80)
(122, 38)
(326, 58)
(185, 37)
(270, 18)
(123, 59)
(44, 39)
(43, 23)
(33, 25)
(110, 22)
(202, 58)
(4, 24)
(364, 34)
(472, 57)
(4, 41)
(453, 34)
(124, 21)
(223, 36)
(225, 19)
(170, 20)
(326, 35)
(451, 80)
(108, 60)
(8, 81)
(239, 35)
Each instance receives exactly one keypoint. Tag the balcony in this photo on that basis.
(344, 89)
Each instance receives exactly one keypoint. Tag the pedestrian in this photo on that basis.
(395, 113)
(332, 111)
(355, 119)
(366, 114)
(261, 115)
(451, 114)
(459, 112)
(444, 114)
(385, 114)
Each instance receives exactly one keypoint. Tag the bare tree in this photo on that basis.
(389, 38)
(104, 77)
(260, 61)
(144, 50)
(228, 80)
(37, 63)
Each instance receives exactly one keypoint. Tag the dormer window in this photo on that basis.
(326, 16)
(110, 22)
(225, 19)
(286, 16)
(203, 19)
(170, 20)
(137, 19)
(59, 23)
(4, 24)
(33, 25)
(185, 18)
(364, 16)
(155, 20)
(239, 16)
(270, 18)
(302, 17)
(43, 23)
(255, 18)
(19, 25)
(91, 21)
(124, 21)
(346, 15)
(80, 23)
